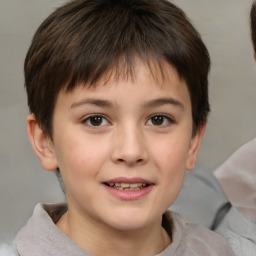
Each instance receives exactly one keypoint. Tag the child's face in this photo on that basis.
(135, 134)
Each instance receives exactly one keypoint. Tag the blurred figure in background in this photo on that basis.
(228, 202)
(237, 177)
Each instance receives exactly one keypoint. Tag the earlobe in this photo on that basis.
(41, 144)
(194, 147)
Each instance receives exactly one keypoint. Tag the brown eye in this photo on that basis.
(157, 120)
(160, 120)
(96, 121)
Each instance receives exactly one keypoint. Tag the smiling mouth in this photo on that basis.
(127, 186)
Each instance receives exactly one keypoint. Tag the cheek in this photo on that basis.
(171, 154)
(170, 159)
(80, 158)
(80, 166)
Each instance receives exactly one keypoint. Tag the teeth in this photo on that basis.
(135, 185)
(127, 186)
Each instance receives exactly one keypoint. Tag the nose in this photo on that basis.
(129, 147)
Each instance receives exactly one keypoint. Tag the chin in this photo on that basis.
(130, 221)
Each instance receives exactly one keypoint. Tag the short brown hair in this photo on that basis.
(84, 39)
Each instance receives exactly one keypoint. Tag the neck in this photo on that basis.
(104, 240)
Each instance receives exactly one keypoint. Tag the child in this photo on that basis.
(118, 97)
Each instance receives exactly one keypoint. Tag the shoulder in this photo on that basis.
(7, 250)
(239, 232)
(198, 240)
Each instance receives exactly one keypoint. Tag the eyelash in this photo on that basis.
(101, 118)
(165, 118)
(89, 119)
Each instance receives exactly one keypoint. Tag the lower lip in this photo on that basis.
(129, 194)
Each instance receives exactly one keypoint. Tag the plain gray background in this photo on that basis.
(224, 26)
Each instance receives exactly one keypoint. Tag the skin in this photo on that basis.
(143, 131)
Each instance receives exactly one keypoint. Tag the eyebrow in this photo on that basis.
(164, 101)
(150, 104)
(95, 102)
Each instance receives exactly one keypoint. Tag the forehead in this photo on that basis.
(147, 82)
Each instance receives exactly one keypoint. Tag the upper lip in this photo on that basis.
(128, 180)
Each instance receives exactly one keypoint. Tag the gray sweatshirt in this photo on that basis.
(41, 237)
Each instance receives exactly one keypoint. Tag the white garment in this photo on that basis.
(237, 177)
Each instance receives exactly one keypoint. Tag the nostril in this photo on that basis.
(130, 162)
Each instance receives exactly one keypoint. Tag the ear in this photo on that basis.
(42, 144)
(194, 147)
